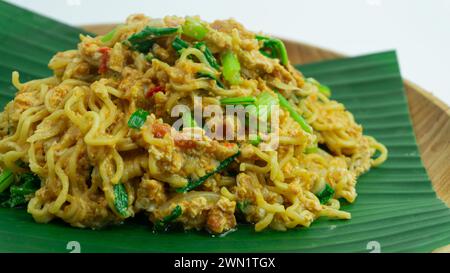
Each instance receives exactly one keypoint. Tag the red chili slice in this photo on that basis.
(154, 90)
(160, 130)
(104, 59)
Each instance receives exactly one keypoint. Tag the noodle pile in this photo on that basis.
(72, 130)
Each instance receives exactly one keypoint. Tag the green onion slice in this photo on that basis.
(324, 89)
(138, 119)
(326, 194)
(149, 57)
(209, 75)
(294, 114)
(311, 150)
(275, 47)
(121, 199)
(255, 142)
(144, 40)
(208, 54)
(194, 28)
(231, 68)
(152, 32)
(264, 103)
(192, 184)
(108, 36)
(20, 192)
(189, 120)
(238, 101)
(243, 205)
(6, 179)
(162, 224)
(178, 44)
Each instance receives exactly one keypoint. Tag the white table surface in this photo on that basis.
(418, 29)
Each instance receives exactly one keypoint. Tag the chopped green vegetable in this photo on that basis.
(121, 199)
(194, 28)
(242, 206)
(208, 54)
(326, 194)
(322, 88)
(151, 32)
(311, 150)
(163, 224)
(178, 44)
(264, 103)
(255, 142)
(144, 40)
(231, 68)
(325, 90)
(149, 57)
(189, 120)
(143, 46)
(20, 193)
(238, 101)
(210, 76)
(107, 37)
(138, 119)
(296, 116)
(274, 48)
(6, 179)
(28, 181)
(192, 184)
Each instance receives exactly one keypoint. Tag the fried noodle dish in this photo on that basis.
(95, 144)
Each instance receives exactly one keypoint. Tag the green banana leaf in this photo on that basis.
(396, 210)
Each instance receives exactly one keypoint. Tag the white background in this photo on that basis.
(418, 29)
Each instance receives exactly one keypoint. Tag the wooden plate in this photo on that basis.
(430, 116)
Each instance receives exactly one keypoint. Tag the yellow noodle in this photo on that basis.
(71, 129)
